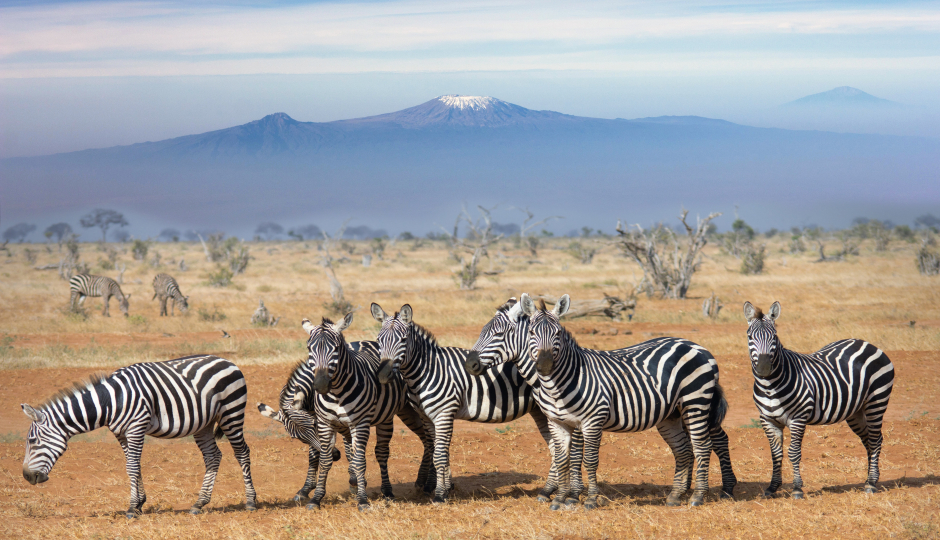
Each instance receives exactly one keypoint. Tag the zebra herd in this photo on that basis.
(524, 362)
(164, 287)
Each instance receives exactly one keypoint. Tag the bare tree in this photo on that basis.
(712, 306)
(103, 219)
(339, 304)
(475, 243)
(665, 263)
(529, 240)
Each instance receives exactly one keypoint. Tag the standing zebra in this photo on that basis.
(165, 287)
(350, 400)
(83, 285)
(848, 380)
(441, 390)
(667, 383)
(301, 423)
(505, 339)
(202, 396)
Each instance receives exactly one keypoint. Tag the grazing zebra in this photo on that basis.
(83, 285)
(442, 391)
(165, 287)
(301, 423)
(350, 400)
(849, 380)
(505, 339)
(202, 396)
(667, 383)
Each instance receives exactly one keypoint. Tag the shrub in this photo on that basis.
(139, 249)
(212, 316)
(222, 277)
(753, 260)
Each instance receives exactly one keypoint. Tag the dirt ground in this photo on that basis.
(497, 469)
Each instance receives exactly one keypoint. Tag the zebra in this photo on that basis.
(83, 285)
(442, 391)
(667, 383)
(848, 380)
(504, 339)
(203, 396)
(349, 400)
(301, 423)
(165, 287)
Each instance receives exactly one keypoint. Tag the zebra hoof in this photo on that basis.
(389, 496)
(556, 506)
(696, 502)
(590, 505)
(769, 494)
(300, 498)
(250, 507)
(673, 501)
(542, 498)
(438, 500)
(572, 501)
(798, 495)
(726, 495)
(195, 511)
(870, 490)
(133, 514)
(313, 506)
(365, 507)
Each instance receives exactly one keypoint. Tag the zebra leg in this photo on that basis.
(163, 306)
(106, 299)
(561, 438)
(775, 437)
(576, 457)
(72, 297)
(236, 436)
(697, 422)
(592, 444)
(443, 431)
(212, 456)
(411, 419)
(135, 509)
(327, 442)
(551, 484)
(360, 437)
(678, 440)
(383, 435)
(720, 447)
(874, 414)
(348, 447)
(797, 429)
(313, 458)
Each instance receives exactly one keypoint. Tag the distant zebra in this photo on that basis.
(349, 401)
(83, 285)
(667, 383)
(441, 390)
(301, 423)
(165, 287)
(505, 339)
(202, 396)
(848, 380)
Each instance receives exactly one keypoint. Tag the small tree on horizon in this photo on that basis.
(18, 232)
(103, 219)
(269, 230)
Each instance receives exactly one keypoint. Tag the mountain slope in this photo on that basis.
(843, 96)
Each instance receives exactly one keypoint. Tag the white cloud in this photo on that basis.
(95, 39)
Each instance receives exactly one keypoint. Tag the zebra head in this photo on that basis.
(394, 340)
(46, 441)
(324, 348)
(298, 423)
(763, 344)
(125, 304)
(182, 304)
(545, 331)
(501, 340)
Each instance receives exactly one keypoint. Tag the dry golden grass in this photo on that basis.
(874, 296)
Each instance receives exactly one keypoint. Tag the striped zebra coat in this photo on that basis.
(848, 380)
(301, 423)
(202, 396)
(83, 285)
(349, 401)
(442, 391)
(668, 383)
(164, 288)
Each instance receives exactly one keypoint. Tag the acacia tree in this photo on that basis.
(103, 219)
(269, 230)
(18, 232)
(58, 231)
(666, 265)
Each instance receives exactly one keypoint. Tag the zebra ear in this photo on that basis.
(270, 413)
(774, 311)
(128, 297)
(308, 326)
(750, 312)
(515, 312)
(344, 324)
(405, 314)
(378, 313)
(562, 306)
(298, 402)
(528, 306)
(33, 414)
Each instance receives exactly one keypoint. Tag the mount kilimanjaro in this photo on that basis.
(412, 169)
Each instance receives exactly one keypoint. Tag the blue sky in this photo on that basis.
(85, 74)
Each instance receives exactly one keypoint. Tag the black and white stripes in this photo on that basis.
(164, 288)
(202, 396)
(84, 285)
(848, 380)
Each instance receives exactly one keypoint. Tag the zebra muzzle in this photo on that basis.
(35, 477)
(544, 362)
(473, 364)
(385, 371)
(764, 366)
(321, 382)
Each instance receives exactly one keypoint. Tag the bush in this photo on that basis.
(753, 260)
(139, 249)
(212, 316)
(222, 277)
(928, 262)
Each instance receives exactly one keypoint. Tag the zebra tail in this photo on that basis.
(719, 407)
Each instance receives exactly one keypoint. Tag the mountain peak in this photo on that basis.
(842, 96)
(455, 101)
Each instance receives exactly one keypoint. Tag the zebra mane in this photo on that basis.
(424, 333)
(92, 380)
(326, 320)
(290, 378)
(758, 314)
(542, 306)
(507, 306)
